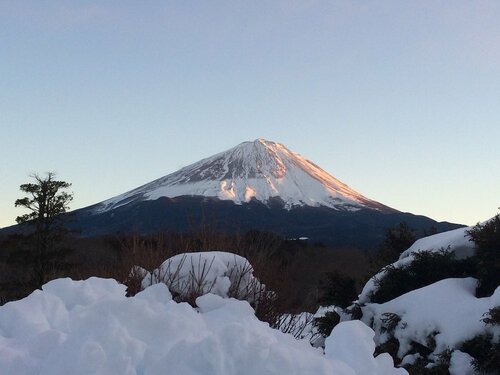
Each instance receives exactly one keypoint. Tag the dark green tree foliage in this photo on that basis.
(326, 323)
(486, 237)
(46, 200)
(338, 290)
(492, 317)
(439, 367)
(426, 268)
(397, 240)
(390, 346)
(486, 353)
(389, 322)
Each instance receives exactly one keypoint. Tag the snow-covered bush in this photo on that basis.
(297, 325)
(436, 310)
(190, 275)
(487, 240)
(338, 290)
(437, 317)
(492, 317)
(484, 351)
(325, 324)
(426, 268)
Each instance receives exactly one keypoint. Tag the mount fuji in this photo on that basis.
(258, 185)
(259, 170)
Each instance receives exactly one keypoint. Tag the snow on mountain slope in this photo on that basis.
(252, 170)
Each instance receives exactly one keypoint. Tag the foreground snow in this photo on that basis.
(90, 327)
(447, 310)
(440, 316)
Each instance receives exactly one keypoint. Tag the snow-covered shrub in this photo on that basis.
(338, 290)
(397, 239)
(326, 323)
(297, 325)
(437, 309)
(389, 322)
(485, 353)
(487, 240)
(354, 311)
(432, 319)
(492, 317)
(391, 346)
(425, 268)
(439, 367)
(190, 275)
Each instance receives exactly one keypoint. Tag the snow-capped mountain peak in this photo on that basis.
(258, 170)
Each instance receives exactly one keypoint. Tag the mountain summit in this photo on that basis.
(260, 170)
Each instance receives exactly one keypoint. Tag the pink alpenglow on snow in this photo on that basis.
(259, 170)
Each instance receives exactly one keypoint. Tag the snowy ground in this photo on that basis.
(90, 327)
(447, 311)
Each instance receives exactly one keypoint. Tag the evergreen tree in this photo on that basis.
(46, 200)
(397, 240)
(487, 240)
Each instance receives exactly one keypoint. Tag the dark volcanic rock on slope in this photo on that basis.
(363, 228)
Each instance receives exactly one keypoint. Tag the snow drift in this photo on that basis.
(91, 327)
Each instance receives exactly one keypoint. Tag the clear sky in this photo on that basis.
(398, 99)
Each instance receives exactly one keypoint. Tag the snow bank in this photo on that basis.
(447, 310)
(461, 364)
(90, 327)
(358, 354)
(221, 273)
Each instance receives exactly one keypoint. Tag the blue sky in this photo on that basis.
(400, 100)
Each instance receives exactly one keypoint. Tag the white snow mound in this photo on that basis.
(446, 310)
(455, 240)
(91, 327)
